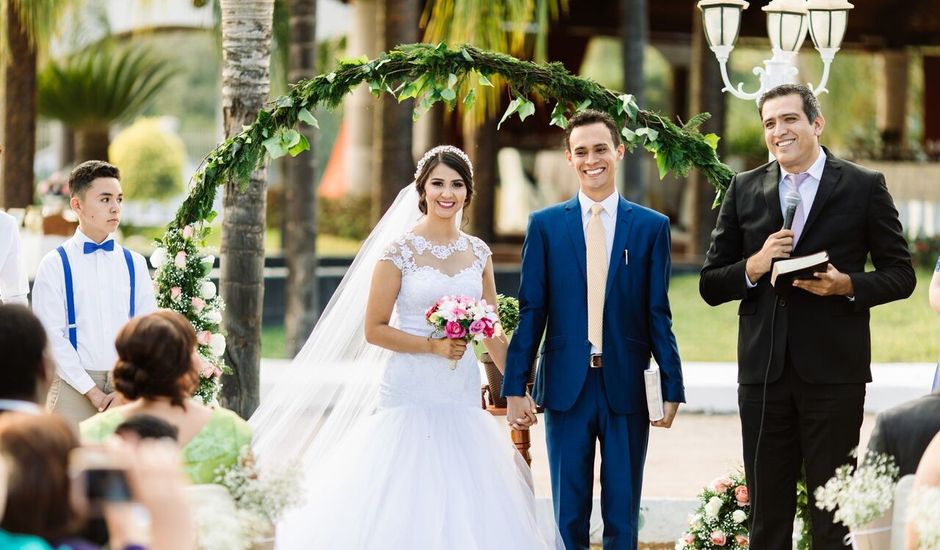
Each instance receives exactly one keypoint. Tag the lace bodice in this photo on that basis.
(428, 272)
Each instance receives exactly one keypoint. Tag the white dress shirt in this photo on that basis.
(101, 289)
(20, 406)
(608, 219)
(807, 191)
(14, 286)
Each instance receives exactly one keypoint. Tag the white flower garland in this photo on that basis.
(183, 285)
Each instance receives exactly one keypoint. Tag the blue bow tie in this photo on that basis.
(107, 246)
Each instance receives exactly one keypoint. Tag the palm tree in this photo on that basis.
(92, 89)
(300, 233)
(246, 55)
(28, 25)
(393, 165)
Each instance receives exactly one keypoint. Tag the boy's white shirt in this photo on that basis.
(14, 285)
(101, 289)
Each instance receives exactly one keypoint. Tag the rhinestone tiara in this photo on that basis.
(443, 149)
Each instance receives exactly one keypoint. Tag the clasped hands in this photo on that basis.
(831, 282)
(520, 412)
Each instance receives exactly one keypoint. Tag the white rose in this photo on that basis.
(214, 316)
(158, 258)
(207, 289)
(713, 507)
(217, 344)
(738, 516)
(208, 260)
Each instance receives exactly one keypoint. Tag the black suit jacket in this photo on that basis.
(828, 339)
(905, 431)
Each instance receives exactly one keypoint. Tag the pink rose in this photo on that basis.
(718, 538)
(742, 541)
(175, 292)
(188, 232)
(488, 330)
(207, 369)
(477, 327)
(741, 495)
(453, 330)
(204, 337)
(721, 484)
(688, 539)
(198, 303)
(180, 260)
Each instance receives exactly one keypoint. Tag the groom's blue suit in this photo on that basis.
(584, 404)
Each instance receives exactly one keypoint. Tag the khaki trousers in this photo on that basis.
(65, 400)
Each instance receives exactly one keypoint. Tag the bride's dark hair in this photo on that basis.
(451, 160)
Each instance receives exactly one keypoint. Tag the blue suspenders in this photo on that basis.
(70, 292)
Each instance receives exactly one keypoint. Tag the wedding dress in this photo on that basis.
(429, 469)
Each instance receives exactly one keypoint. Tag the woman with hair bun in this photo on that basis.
(157, 371)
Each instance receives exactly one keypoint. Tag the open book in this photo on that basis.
(786, 270)
(654, 393)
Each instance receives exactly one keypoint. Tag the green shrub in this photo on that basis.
(151, 160)
(349, 217)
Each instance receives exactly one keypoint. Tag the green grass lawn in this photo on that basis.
(902, 331)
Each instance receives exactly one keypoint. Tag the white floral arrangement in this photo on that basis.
(720, 521)
(860, 494)
(924, 515)
(183, 285)
(261, 497)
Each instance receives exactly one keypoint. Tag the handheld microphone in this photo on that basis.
(791, 201)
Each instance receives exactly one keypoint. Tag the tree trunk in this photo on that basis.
(300, 194)
(92, 144)
(481, 144)
(397, 23)
(359, 109)
(633, 36)
(246, 55)
(705, 95)
(19, 119)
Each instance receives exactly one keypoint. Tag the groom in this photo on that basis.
(595, 271)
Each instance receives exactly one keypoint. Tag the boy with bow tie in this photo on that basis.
(86, 290)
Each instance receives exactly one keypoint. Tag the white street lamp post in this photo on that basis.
(787, 24)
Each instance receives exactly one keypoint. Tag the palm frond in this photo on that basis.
(102, 85)
(38, 19)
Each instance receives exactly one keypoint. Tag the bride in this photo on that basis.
(396, 449)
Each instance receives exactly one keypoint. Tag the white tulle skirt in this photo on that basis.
(419, 477)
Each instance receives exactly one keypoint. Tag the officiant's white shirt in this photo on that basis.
(14, 286)
(102, 299)
(608, 219)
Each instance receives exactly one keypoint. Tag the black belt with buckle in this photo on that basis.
(596, 362)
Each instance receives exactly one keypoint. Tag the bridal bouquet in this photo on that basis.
(720, 521)
(462, 318)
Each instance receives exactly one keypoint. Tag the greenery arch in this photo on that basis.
(429, 74)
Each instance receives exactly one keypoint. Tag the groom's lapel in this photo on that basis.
(576, 233)
(621, 232)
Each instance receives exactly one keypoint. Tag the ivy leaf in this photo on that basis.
(558, 116)
(628, 105)
(712, 140)
(628, 134)
(650, 133)
(305, 116)
(211, 216)
(275, 147)
(583, 105)
(466, 55)
(448, 94)
(526, 109)
(512, 108)
(451, 80)
(285, 101)
(661, 164)
(331, 77)
(291, 138)
(485, 81)
(470, 98)
(411, 90)
(375, 88)
(302, 145)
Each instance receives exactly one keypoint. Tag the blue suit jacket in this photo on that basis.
(637, 318)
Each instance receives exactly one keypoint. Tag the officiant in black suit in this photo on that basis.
(811, 349)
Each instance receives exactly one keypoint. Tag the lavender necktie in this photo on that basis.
(799, 218)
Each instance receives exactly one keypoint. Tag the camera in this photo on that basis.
(97, 478)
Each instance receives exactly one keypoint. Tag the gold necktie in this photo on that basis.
(596, 276)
